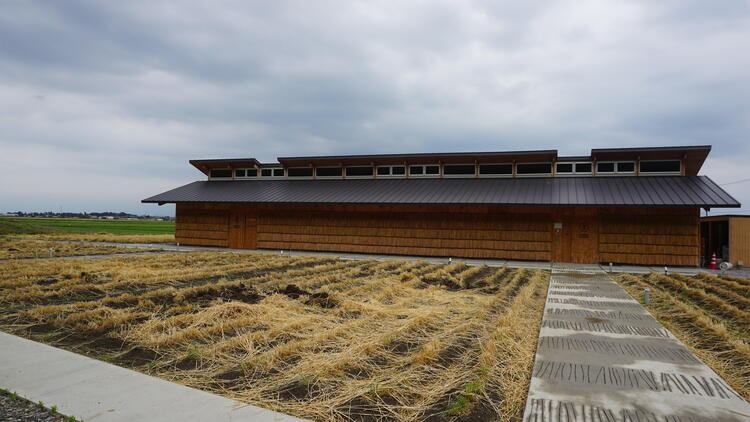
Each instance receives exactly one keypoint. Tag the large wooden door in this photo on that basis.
(236, 230)
(561, 230)
(251, 231)
(584, 242)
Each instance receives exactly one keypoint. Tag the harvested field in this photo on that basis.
(105, 237)
(11, 248)
(319, 338)
(711, 315)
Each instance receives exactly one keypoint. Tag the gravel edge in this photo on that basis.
(14, 408)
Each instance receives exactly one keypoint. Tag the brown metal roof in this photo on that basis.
(662, 191)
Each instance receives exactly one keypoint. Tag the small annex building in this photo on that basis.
(727, 236)
(622, 205)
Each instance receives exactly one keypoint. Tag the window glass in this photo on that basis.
(278, 172)
(564, 167)
(605, 167)
(456, 169)
(239, 173)
(266, 172)
(252, 172)
(221, 173)
(583, 167)
(299, 172)
(671, 166)
(495, 169)
(416, 170)
(625, 167)
(432, 169)
(359, 171)
(533, 168)
(328, 171)
(391, 170)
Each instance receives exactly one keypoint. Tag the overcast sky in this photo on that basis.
(103, 103)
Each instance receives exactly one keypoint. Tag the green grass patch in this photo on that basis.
(465, 401)
(31, 225)
(8, 226)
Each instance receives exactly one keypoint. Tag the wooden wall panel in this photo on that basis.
(655, 239)
(397, 250)
(739, 240)
(511, 236)
(652, 237)
(196, 226)
(201, 234)
(540, 236)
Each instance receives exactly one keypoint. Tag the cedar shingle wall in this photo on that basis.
(461, 235)
(651, 237)
(201, 227)
(739, 240)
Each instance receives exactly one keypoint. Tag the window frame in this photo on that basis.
(340, 176)
(373, 168)
(489, 176)
(312, 173)
(617, 167)
(273, 170)
(229, 169)
(574, 172)
(246, 177)
(660, 173)
(465, 176)
(615, 172)
(424, 170)
(551, 170)
(390, 174)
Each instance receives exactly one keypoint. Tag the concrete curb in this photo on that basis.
(98, 391)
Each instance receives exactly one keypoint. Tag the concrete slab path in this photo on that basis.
(602, 357)
(97, 391)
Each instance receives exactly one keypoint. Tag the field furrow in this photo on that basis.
(320, 338)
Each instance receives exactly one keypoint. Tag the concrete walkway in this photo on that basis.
(603, 358)
(97, 391)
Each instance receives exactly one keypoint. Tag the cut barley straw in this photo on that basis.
(105, 237)
(318, 338)
(12, 248)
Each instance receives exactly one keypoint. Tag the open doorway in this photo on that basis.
(715, 239)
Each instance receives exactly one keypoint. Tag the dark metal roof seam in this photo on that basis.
(718, 191)
(692, 190)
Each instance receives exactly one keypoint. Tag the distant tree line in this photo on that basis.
(116, 215)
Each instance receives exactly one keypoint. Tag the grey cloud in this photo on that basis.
(137, 88)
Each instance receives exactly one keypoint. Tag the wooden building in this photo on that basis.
(728, 236)
(625, 205)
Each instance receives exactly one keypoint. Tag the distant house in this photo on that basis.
(622, 205)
